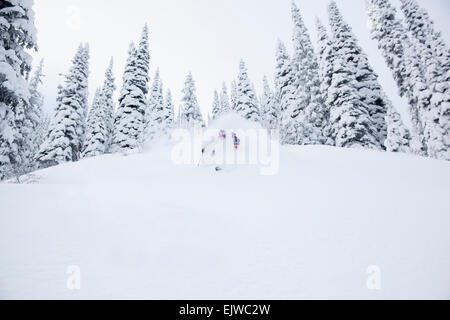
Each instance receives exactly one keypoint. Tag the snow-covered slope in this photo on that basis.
(141, 227)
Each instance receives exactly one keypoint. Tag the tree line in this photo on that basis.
(324, 94)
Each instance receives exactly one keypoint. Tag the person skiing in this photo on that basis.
(222, 134)
(236, 141)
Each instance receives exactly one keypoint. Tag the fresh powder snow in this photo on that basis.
(141, 227)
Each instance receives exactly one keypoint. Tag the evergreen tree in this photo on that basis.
(224, 100)
(17, 35)
(233, 95)
(326, 65)
(246, 101)
(109, 107)
(130, 114)
(169, 111)
(191, 115)
(161, 114)
(100, 123)
(42, 132)
(398, 137)
(392, 40)
(155, 107)
(85, 94)
(361, 106)
(65, 139)
(270, 112)
(38, 122)
(265, 101)
(434, 49)
(310, 107)
(96, 128)
(130, 118)
(401, 57)
(435, 58)
(350, 124)
(285, 92)
(142, 63)
(180, 116)
(216, 108)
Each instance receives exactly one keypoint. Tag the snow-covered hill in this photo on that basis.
(141, 227)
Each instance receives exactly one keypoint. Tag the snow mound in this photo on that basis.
(233, 121)
(139, 227)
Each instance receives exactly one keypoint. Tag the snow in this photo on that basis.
(139, 227)
(232, 120)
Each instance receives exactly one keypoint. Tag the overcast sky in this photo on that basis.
(207, 37)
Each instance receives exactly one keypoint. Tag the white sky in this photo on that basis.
(207, 37)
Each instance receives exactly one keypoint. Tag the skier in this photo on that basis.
(222, 134)
(236, 140)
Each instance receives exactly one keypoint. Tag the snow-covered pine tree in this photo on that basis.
(84, 95)
(401, 57)
(143, 62)
(130, 118)
(354, 64)
(258, 103)
(65, 139)
(38, 120)
(109, 106)
(246, 101)
(36, 97)
(435, 56)
(398, 136)
(350, 124)
(17, 35)
(392, 39)
(299, 62)
(96, 128)
(422, 27)
(270, 112)
(310, 108)
(180, 116)
(285, 92)
(233, 95)
(169, 115)
(154, 109)
(141, 78)
(326, 64)
(224, 100)
(264, 101)
(216, 109)
(42, 131)
(191, 115)
(99, 128)
(160, 120)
